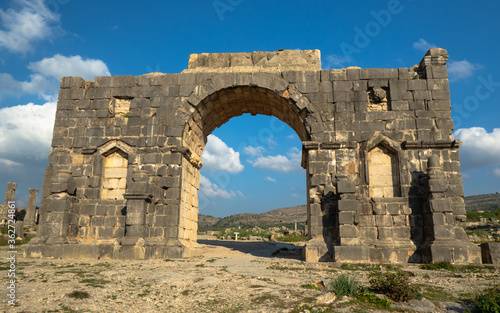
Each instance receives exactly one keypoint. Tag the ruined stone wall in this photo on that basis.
(367, 137)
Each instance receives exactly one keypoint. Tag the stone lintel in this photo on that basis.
(333, 145)
(438, 144)
(137, 196)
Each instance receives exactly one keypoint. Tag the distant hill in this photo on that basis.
(287, 216)
(483, 202)
(277, 217)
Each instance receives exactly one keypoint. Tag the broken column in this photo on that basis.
(30, 218)
(9, 196)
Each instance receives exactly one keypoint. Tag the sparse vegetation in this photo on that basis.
(94, 282)
(370, 297)
(79, 294)
(487, 301)
(345, 285)
(310, 286)
(395, 285)
(474, 216)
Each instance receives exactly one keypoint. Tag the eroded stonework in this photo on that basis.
(382, 167)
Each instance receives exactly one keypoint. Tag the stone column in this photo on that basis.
(138, 197)
(10, 193)
(9, 196)
(30, 218)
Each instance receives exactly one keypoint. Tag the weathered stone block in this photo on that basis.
(348, 231)
(348, 205)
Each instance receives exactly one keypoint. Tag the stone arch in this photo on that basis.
(215, 109)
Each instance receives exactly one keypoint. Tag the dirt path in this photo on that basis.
(231, 277)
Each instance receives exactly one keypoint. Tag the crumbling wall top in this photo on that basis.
(281, 60)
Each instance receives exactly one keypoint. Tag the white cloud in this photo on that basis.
(423, 45)
(31, 21)
(291, 136)
(496, 172)
(462, 69)
(280, 163)
(336, 61)
(480, 149)
(5, 162)
(217, 156)
(212, 190)
(46, 75)
(465, 176)
(268, 178)
(295, 195)
(26, 131)
(254, 151)
(60, 65)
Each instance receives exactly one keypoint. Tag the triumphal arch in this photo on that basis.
(382, 168)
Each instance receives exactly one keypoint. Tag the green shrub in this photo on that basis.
(372, 298)
(439, 266)
(474, 216)
(488, 301)
(310, 286)
(344, 285)
(395, 285)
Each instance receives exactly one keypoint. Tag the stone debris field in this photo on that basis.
(233, 276)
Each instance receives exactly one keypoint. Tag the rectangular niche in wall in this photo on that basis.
(378, 99)
(383, 172)
(119, 106)
(114, 178)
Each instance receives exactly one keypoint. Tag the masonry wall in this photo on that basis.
(351, 121)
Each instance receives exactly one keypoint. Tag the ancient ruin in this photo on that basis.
(382, 167)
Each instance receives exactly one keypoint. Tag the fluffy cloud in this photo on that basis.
(211, 190)
(26, 132)
(217, 156)
(280, 163)
(254, 151)
(46, 75)
(423, 45)
(480, 149)
(496, 172)
(30, 21)
(60, 65)
(268, 178)
(462, 69)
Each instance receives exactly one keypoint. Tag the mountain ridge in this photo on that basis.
(289, 215)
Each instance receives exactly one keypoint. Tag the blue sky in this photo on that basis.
(43, 40)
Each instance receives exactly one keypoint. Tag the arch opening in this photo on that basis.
(214, 111)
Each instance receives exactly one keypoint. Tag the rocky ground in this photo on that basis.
(232, 276)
